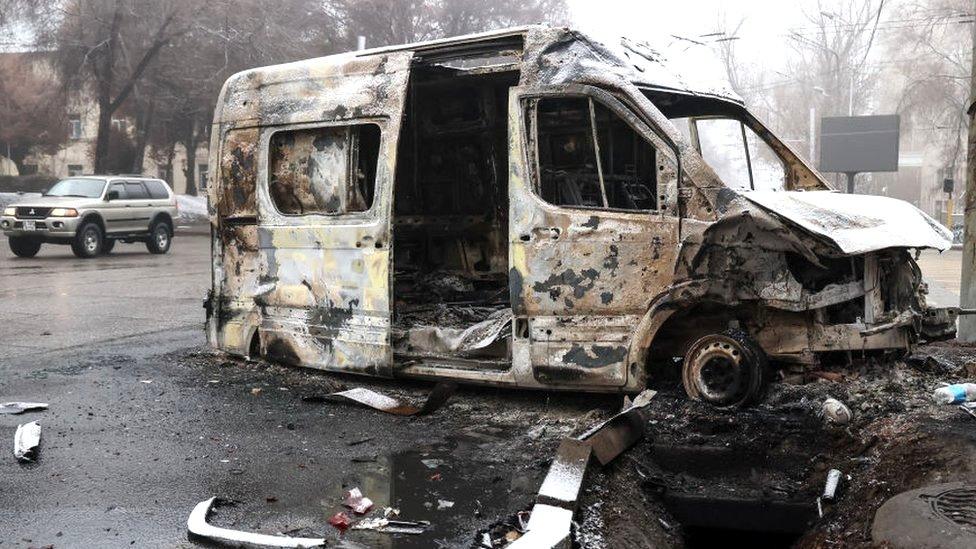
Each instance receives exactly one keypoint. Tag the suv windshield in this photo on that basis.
(84, 188)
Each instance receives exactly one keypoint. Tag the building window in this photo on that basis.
(120, 124)
(202, 170)
(75, 169)
(165, 173)
(75, 128)
(29, 169)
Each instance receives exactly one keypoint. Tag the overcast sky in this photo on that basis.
(764, 21)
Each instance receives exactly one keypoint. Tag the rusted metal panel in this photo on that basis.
(314, 287)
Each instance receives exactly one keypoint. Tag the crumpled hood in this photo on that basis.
(856, 223)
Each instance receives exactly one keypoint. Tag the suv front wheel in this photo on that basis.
(89, 240)
(160, 238)
(23, 246)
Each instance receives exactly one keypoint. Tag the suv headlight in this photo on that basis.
(10, 210)
(64, 212)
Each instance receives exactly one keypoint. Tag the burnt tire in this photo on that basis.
(725, 370)
(89, 241)
(108, 246)
(24, 247)
(160, 237)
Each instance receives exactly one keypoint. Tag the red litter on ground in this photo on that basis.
(356, 501)
(340, 521)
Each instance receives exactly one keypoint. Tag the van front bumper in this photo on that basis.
(49, 228)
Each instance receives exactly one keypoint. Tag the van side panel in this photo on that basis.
(313, 287)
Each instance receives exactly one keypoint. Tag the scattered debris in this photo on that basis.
(26, 440)
(21, 407)
(552, 515)
(340, 521)
(146, 381)
(969, 408)
(444, 504)
(359, 441)
(833, 482)
(438, 396)
(954, 394)
(385, 525)
(432, 463)
(356, 501)
(256, 391)
(197, 525)
(836, 412)
(612, 437)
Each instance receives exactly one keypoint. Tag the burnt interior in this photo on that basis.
(451, 202)
(589, 157)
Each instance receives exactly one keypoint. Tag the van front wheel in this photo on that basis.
(724, 370)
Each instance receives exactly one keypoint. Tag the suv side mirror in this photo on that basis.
(112, 195)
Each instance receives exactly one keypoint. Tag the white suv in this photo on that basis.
(91, 213)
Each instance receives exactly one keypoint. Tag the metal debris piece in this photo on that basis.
(197, 526)
(969, 408)
(548, 527)
(438, 396)
(444, 504)
(340, 521)
(836, 412)
(565, 477)
(26, 440)
(552, 515)
(385, 525)
(356, 501)
(612, 437)
(21, 407)
(833, 482)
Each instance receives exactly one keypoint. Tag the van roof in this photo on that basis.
(544, 54)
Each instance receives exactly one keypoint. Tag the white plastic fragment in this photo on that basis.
(21, 407)
(26, 440)
(197, 525)
(356, 501)
(836, 411)
(385, 525)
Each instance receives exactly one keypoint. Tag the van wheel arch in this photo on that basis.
(652, 343)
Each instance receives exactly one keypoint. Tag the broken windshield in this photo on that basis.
(737, 155)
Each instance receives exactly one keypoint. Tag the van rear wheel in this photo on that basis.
(23, 246)
(725, 370)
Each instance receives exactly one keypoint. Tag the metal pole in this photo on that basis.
(967, 292)
(850, 182)
(850, 101)
(813, 129)
(360, 42)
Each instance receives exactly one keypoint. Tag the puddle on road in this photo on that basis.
(471, 471)
(455, 495)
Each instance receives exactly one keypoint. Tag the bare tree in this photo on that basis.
(32, 115)
(109, 45)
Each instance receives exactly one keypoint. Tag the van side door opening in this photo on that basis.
(450, 204)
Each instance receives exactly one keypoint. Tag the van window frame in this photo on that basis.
(264, 172)
(619, 107)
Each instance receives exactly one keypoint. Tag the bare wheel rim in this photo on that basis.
(91, 240)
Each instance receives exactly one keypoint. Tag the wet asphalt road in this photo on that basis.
(144, 424)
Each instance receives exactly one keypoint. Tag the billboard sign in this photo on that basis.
(856, 144)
